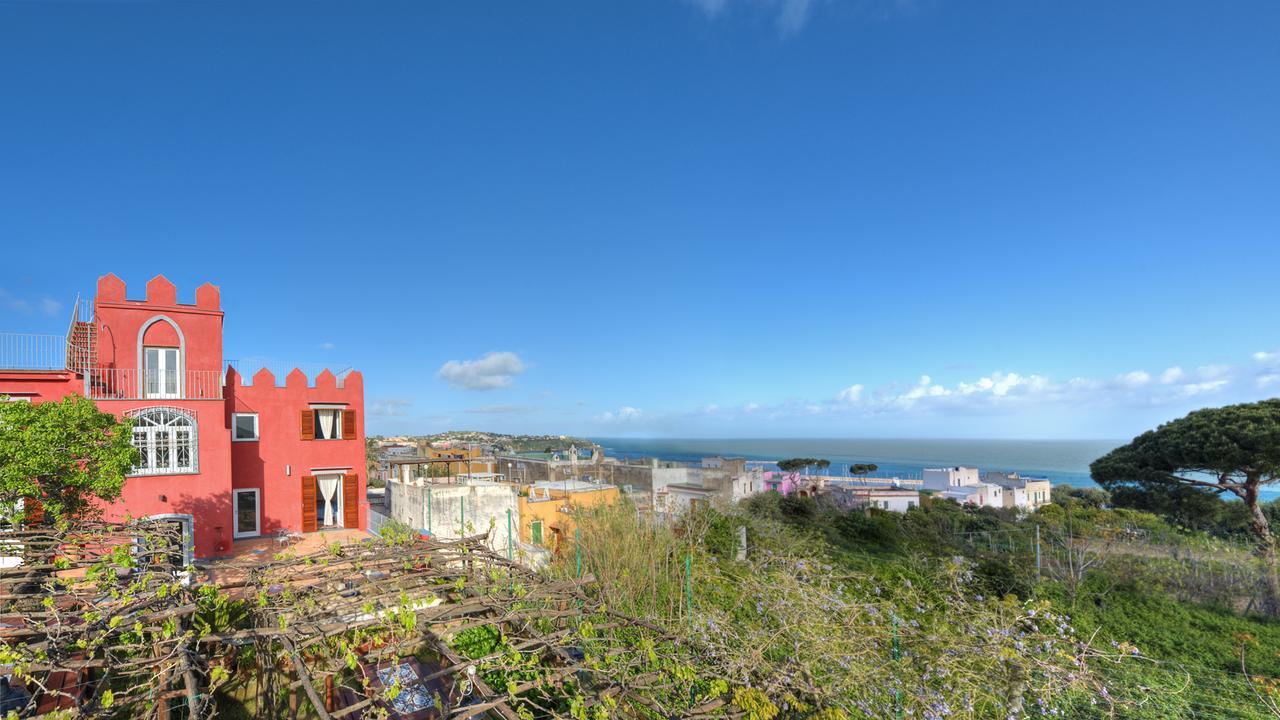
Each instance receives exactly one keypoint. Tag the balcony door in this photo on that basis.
(160, 372)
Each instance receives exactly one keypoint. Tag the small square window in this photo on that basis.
(244, 426)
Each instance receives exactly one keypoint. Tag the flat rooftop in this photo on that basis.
(569, 485)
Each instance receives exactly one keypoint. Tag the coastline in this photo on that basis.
(1063, 462)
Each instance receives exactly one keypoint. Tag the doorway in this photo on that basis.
(181, 551)
(329, 500)
(248, 512)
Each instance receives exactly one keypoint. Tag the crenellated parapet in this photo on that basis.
(159, 291)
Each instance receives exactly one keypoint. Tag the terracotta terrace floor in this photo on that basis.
(246, 553)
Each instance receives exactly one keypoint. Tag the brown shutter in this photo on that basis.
(308, 423)
(348, 424)
(308, 503)
(351, 501)
(35, 511)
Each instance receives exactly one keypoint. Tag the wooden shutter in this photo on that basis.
(351, 501)
(348, 424)
(308, 424)
(308, 503)
(35, 511)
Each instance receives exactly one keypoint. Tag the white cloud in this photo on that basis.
(793, 15)
(11, 302)
(711, 7)
(1010, 395)
(1214, 371)
(1199, 388)
(327, 346)
(790, 16)
(1135, 379)
(390, 407)
(851, 394)
(491, 371)
(626, 413)
(45, 305)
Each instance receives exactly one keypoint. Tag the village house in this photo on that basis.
(891, 499)
(963, 485)
(1021, 491)
(224, 456)
(547, 508)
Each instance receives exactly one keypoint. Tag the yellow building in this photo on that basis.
(546, 513)
(469, 460)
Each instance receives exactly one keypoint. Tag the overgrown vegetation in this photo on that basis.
(809, 618)
(812, 635)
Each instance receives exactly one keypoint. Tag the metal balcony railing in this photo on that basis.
(133, 384)
(26, 351)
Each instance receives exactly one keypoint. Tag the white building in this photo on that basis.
(950, 478)
(892, 499)
(981, 494)
(1022, 492)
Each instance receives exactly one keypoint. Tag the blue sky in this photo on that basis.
(716, 218)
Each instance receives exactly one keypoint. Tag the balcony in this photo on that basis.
(132, 384)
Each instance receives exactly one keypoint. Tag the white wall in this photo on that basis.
(458, 510)
(946, 478)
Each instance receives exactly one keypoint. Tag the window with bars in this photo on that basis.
(166, 440)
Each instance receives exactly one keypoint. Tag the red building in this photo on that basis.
(226, 456)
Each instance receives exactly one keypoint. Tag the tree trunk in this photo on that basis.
(1266, 548)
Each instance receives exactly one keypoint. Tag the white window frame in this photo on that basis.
(236, 532)
(164, 356)
(235, 429)
(156, 436)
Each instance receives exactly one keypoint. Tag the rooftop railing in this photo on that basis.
(27, 351)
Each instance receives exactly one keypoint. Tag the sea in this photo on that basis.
(1061, 461)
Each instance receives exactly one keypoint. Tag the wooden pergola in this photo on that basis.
(115, 632)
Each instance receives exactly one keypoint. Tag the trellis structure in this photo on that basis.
(92, 618)
(321, 620)
(103, 621)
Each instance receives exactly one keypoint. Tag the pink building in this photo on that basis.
(780, 482)
(225, 456)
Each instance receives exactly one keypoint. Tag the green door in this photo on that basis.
(535, 529)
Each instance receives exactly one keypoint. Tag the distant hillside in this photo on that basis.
(511, 443)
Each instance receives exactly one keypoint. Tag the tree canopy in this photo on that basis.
(863, 468)
(798, 464)
(68, 454)
(1233, 449)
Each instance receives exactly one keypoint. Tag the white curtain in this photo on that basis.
(327, 418)
(328, 490)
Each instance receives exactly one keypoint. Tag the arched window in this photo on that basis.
(166, 439)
